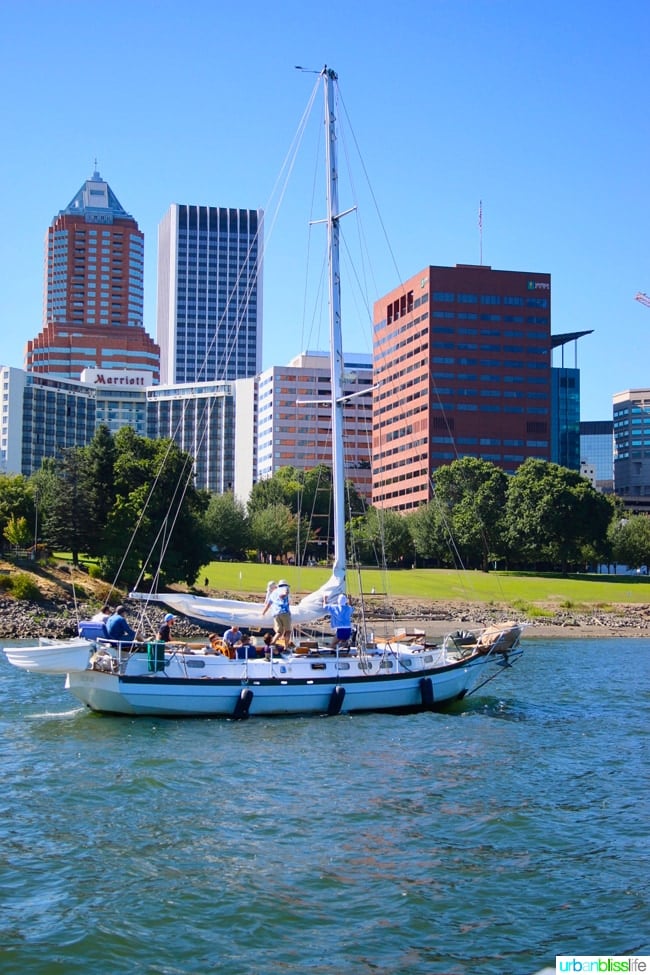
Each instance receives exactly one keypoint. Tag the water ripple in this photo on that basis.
(485, 840)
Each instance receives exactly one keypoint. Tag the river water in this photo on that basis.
(486, 840)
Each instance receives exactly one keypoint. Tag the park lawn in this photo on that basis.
(446, 585)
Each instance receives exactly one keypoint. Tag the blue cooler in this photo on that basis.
(92, 631)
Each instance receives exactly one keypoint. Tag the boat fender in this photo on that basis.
(243, 704)
(426, 692)
(336, 701)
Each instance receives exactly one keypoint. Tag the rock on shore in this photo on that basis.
(58, 619)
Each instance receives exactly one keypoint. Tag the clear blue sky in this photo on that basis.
(540, 110)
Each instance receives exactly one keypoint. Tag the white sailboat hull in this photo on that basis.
(212, 685)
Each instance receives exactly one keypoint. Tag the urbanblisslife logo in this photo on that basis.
(602, 963)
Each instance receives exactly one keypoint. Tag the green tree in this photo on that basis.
(554, 516)
(308, 495)
(68, 525)
(16, 499)
(274, 529)
(17, 532)
(284, 487)
(630, 540)
(227, 525)
(44, 489)
(430, 534)
(100, 457)
(471, 495)
(381, 537)
(156, 524)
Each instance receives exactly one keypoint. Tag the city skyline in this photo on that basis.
(534, 115)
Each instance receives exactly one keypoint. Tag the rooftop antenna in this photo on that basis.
(480, 231)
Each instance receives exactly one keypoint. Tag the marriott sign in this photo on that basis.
(115, 378)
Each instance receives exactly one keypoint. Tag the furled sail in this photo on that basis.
(218, 613)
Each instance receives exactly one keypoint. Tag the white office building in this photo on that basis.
(294, 417)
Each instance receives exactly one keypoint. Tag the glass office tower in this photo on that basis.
(209, 318)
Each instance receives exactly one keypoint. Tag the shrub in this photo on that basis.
(24, 587)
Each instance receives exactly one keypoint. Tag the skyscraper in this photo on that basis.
(209, 318)
(93, 299)
(462, 369)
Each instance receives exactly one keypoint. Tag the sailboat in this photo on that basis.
(306, 677)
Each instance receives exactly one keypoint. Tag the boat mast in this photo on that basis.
(336, 342)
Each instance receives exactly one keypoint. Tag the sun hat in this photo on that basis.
(283, 582)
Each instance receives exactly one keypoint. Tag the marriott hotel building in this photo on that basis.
(462, 360)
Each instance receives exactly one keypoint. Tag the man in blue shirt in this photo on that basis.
(117, 627)
(232, 636)
(278, 600)
(340, 620)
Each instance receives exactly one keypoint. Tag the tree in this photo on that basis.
(157, 522)
(283, 488)
(430, 534)
(227, 525)
(273, 529)
(381, 537)
(553, 515)
(17, 532)
(100, 471)
(68, 523)
(16, 499)
(308, 495)
(44, 486)
(471, 496)
(630, 540)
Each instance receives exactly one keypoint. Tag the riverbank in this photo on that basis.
(67, 595)
(22, 619)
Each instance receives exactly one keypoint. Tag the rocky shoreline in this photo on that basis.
(20, 620)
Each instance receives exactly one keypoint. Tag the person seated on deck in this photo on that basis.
(164, 631)
(267, 649)
(232, 636)
(341, 620)
(102, 616)
(118, 629)
(244, 648)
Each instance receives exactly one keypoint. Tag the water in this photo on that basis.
(483, 841)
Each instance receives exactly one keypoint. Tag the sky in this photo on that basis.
(537, 112)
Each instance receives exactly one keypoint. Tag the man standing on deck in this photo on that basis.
(278, 600)
(340, 620)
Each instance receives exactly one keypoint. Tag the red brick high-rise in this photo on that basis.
(93, 296)
(462, 368)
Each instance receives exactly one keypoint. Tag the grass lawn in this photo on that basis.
(440, 584)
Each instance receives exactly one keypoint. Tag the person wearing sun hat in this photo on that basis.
(277, 600)
(164, 631)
